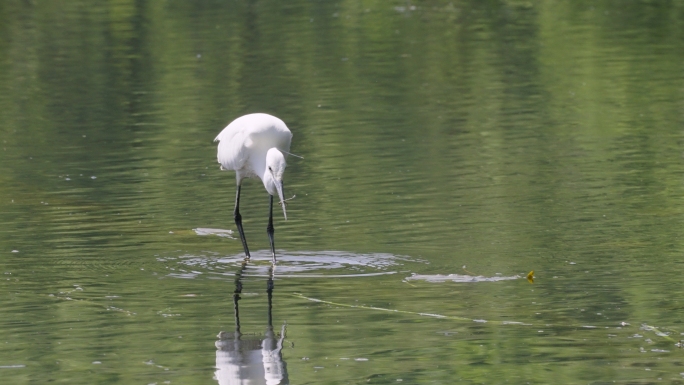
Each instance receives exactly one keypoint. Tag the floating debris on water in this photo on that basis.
(217, 232)
(458, 278)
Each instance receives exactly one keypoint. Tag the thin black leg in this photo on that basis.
(270, 230)
(238, 221)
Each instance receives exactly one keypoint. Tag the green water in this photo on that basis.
(503, 136)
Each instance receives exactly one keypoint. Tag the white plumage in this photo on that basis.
(255, 145)
(243, 144)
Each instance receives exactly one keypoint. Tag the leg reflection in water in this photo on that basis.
(251, 359)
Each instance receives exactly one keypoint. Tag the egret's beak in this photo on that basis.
(279, 187)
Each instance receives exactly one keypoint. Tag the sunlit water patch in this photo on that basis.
(300, 264)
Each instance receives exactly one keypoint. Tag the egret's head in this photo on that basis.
(273, 177)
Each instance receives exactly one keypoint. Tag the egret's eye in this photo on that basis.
(269, 168)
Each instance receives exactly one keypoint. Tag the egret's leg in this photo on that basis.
(270, 230)
(238, 221)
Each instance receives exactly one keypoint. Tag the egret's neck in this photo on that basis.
(272, 171)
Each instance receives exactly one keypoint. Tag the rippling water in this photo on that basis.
(449, 150)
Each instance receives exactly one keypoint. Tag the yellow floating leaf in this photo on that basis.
(530, 277)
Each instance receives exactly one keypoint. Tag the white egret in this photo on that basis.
(255, 145)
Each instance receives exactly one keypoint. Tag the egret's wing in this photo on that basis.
(250, 135)
(266, 132)
(269, 137)
(232, 152)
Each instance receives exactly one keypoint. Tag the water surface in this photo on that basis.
(463, 139)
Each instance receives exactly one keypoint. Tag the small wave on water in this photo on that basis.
(300, 264)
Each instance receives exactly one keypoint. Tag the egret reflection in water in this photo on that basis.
(251, 358)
